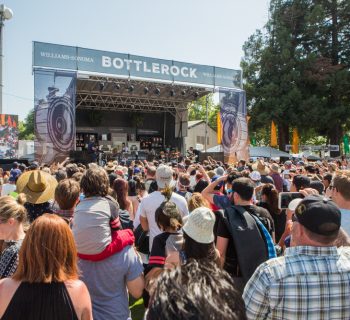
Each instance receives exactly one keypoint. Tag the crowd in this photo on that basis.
(195, 240)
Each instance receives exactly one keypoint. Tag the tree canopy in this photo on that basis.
(297, 70)
(26, 127)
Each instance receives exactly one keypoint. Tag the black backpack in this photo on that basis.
(248, 241)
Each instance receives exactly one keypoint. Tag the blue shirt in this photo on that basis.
(345, 220)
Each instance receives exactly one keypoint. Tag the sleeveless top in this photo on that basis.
(40, 301)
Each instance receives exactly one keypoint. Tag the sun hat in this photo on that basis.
(275, 168)
(255, 176)
(164, 176)
(38, 186)
(200, 224)
(261, 167)
(319, 215)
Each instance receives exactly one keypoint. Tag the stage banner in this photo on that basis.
(8, 136)
(54, 114)
(55, 56)
(233, 113)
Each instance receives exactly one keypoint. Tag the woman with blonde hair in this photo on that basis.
(46, 285)
(13, 216)
(197, 201)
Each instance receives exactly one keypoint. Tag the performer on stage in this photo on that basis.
(92, 149)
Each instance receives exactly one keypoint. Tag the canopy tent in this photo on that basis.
(265, 152)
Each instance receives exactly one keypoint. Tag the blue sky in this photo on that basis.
(199, 31)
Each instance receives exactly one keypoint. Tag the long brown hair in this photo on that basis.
(271, 194)
(120, 187)
(48, 252)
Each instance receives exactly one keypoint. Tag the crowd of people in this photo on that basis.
(195, 240)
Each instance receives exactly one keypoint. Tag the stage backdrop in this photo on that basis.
(54, 107)
(233, 113)
(8, 136)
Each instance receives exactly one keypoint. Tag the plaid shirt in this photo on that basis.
(307, 283)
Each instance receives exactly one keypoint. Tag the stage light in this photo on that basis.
(157, 91)
(172, 93)
(116, 86)
(196, 94)
(183, 92)
(101, 85)
(131, 88)
(145, 90)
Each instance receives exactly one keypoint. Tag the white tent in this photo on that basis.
(264, 152)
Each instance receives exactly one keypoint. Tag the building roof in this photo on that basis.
(194, 123)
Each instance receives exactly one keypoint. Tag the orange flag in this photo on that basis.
(219, 128)
(273, 139)
(295, 145)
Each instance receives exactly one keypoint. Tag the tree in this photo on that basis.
(197, 110)
(26, 127)
(297, 69)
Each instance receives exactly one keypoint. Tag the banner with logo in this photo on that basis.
(233, 113)
(57, 56)
(54, 115)
(8, 136)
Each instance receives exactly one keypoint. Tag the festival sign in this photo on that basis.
(80, 59)
(8, 136)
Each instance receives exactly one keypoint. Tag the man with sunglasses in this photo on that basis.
(312, 280)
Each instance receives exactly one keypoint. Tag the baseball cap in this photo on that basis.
(200, 224)
(319, 215)
(294, 203)
(164, 176)
(137, 170)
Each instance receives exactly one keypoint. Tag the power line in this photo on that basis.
(18, 97)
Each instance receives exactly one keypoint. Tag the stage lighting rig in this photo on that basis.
(172, 93)
(196, 94)
(145, 90)
(183, 92)
(131, 88)
(157, 91)
(101, 86)
(116, 86)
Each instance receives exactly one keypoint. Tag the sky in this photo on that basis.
(209, 32)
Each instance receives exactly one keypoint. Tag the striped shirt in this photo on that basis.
(307, 283)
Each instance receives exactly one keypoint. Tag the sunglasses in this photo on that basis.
(294, 218)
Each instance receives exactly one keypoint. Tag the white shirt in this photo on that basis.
(148, 207)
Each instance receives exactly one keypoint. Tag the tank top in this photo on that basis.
(41, 301)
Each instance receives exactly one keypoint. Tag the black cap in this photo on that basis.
(319, 215)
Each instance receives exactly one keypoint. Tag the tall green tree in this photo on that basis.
(297, 69)
(26, 127)
(198, 110)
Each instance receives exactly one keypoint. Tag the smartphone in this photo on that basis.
(284, 198)
(286, 176)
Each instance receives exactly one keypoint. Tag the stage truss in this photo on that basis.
(103, 93)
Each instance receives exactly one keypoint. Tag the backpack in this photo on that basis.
(248, 241)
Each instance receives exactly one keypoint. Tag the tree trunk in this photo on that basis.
(334, 139)
(283, 136)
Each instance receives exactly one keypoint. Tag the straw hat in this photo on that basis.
(38, 186)
(200, 224)
(261, 167)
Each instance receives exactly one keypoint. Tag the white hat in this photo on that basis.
(294, 203)
(255, 176)
(200, 224)
(164, 176)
